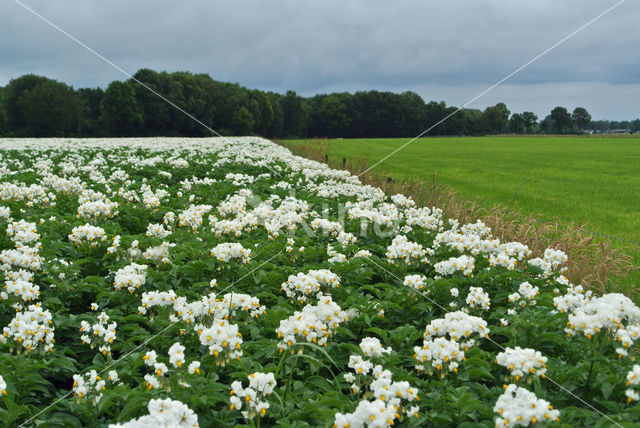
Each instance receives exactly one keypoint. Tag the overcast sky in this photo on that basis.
(443, 50)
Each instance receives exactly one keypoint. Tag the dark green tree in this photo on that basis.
(581, 118)
(471, 122)
(435, 112)
(188, 92)
(16, 122)
(41, 107)
(530, 122)
(120, 113)
(412, 114)
(242, 122)
(3, 114)
(261, 110)
(155, 111)
(517, 124)
(496, 119)
(294, 120)
(275, 128)
(334, 118)
(547, 125)
(561, 121)
(90, 124)
(50, 109)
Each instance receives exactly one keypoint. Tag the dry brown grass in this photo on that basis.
(593, 261)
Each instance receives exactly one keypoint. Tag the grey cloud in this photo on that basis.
(313, 46)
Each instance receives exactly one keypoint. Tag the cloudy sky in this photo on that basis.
(443, 50)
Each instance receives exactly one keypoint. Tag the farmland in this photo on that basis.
(575, 179)
(216, 282)
(588, 181)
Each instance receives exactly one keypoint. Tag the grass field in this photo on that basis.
(592, 180)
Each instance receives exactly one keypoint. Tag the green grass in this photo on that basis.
(595, 180)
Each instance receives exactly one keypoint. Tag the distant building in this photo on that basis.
(619, 131)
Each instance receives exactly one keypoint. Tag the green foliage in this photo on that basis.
(311, 387)
(40, 107)
(242, 121)
(581, 117)
(561, 121)
(121, 114)
(231, 109)
(496, 119)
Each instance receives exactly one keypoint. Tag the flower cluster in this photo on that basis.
(519, 407)
(87, 234)
(31, 328)
(427, 218)
(390, 399)
(335, 256)
(233, 205)
(157, 231)
(302, 286)
(312, 324)
(22, 232)
(473, 237)
(5, 214)
(528, 293)
(606, 312)
(575, 298)
(94, 210)
(477, 298)
(522, 362)
(22, 256)
(371, 347)
(414, 281)
(19, 285)
(261, 385)
(227, 251)
(192, 216)
(159, 253)
(239, 179)
(211, 307)
(464, 264)
(115, 244)
(440, 352)
(101, 333)
(401, 249)
(164, 413)
(132, 277)
(3, 386)
(459, 326)
(176, 355)
(551, 262)
(633, 379)
(223, 340)
(362, 254)
(91, 385)
(160, 369)
(502, 259)
(156, 298)
(152, 199)
(627, 337)
(245, 222)
(332, 228)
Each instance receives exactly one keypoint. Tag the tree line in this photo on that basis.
(36, 106)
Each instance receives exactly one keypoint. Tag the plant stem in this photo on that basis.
(295, 361)
(591, 345)
(282, 358)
